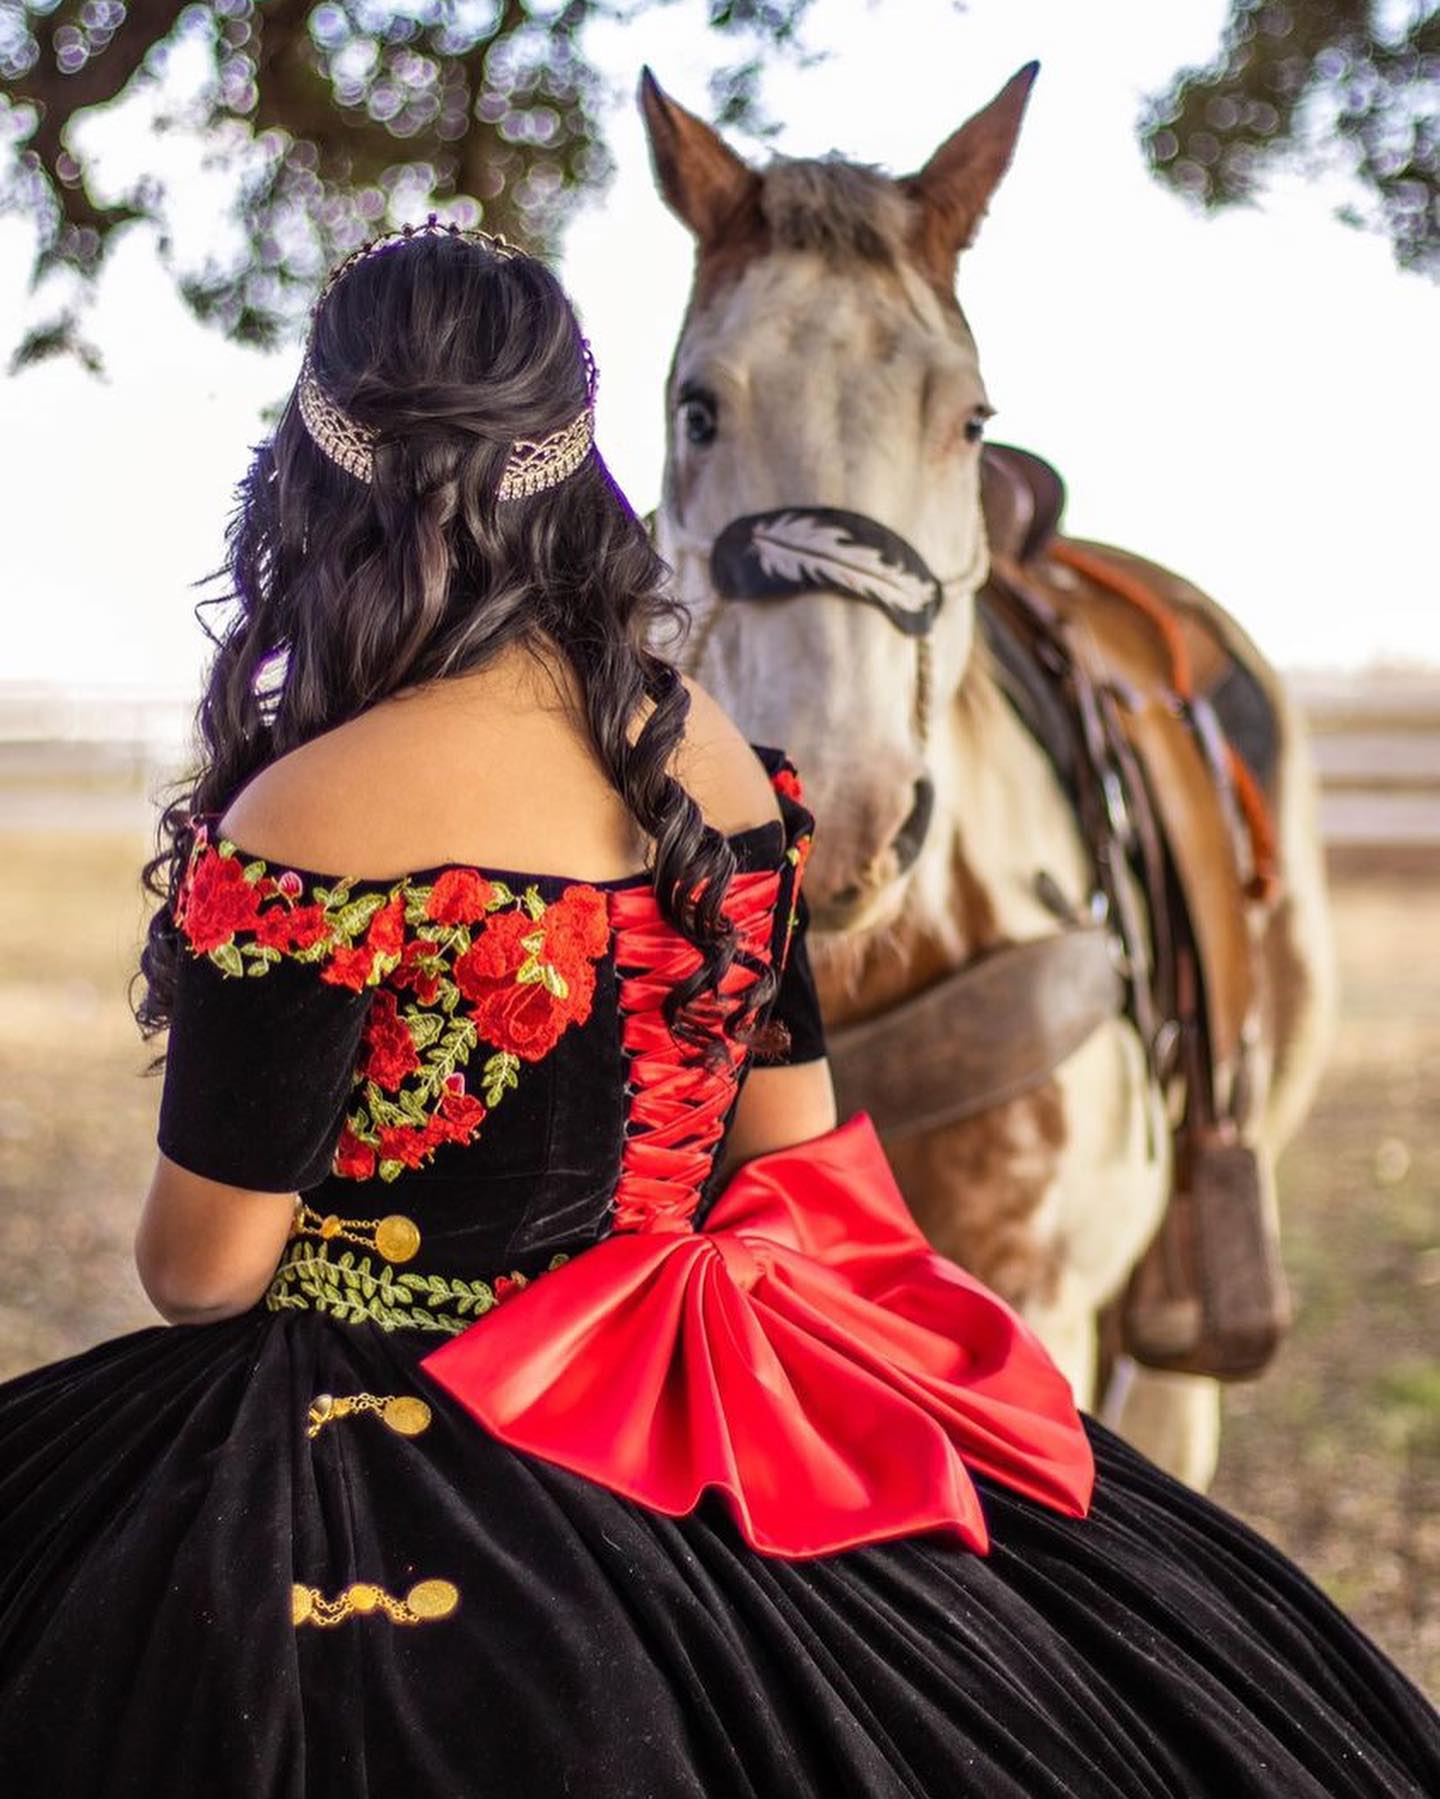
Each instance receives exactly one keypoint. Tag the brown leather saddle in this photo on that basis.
(1155, 705)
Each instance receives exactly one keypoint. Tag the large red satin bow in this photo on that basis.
(806, 1353)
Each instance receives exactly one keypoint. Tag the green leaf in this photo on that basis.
(226, 957)
(425, 1027)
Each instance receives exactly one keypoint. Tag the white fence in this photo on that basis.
(93, 759)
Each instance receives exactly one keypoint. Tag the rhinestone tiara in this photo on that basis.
(533, 465)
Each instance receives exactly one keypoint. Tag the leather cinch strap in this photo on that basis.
(996, 1029)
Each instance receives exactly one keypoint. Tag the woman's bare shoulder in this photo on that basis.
(472, 773)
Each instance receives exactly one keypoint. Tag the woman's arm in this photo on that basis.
(780, 1107)
(204, 1250)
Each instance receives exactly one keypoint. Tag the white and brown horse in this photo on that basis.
(824, 366)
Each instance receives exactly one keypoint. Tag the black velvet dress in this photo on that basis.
(275, 1557)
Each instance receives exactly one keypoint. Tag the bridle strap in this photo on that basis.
(795, 550)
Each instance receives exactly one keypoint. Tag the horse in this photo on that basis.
(826, 389)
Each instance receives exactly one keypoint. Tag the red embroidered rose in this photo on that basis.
(413, 973)
(386, 936)
(504, 1287)
(459, 896)
(458, 1116)
(283, 929)
(526, 1017)
(218, 901)
(577, 930)
(496, 952)
(290, 884)
(355, 967)
(405, 1144)
(392, 1053)
(786, 781)
(354, 1160)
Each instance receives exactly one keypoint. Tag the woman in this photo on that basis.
(561, 1402)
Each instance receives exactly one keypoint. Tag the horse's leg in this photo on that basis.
(1172, 1418)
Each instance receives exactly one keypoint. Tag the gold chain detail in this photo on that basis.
(396, 1237)
(406, 1415)
(426, 1601)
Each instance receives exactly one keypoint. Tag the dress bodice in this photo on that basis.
(464, 1073)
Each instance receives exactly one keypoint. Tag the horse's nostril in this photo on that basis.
(845, 896)
(910, 838)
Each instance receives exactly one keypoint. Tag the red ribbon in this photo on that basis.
(807, 1354)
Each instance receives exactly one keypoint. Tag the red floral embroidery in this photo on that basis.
(380, 952)
(529, 979)
(219, 901)
(392, 1055)
(461, 963)
(786, 781)
(353, 1159)
(285, 931)
(459, 896)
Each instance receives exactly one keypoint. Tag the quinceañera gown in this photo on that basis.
(553, 1464)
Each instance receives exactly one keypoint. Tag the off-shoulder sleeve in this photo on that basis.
(275, 984)
(796, 1006)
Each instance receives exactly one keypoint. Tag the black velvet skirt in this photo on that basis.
(212, 1585)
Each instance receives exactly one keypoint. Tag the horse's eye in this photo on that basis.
(698, 416)
(975, 425)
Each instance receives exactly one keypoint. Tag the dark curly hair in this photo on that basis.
(342, 592)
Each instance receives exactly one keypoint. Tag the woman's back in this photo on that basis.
(493, 769)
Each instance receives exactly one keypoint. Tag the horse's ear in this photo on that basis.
(703, 181)
(954, 187)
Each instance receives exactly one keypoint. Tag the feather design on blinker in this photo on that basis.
(794, 547)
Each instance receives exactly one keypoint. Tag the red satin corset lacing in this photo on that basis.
(678, 1102)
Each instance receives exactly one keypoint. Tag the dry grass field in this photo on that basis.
(1335, 1453)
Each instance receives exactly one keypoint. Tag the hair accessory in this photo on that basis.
(533, 464)
(348, 443)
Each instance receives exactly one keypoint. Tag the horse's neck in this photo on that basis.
(1003, 821)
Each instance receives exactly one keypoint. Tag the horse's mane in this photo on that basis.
(846, 211)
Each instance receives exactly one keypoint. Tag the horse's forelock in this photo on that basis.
(845, 211)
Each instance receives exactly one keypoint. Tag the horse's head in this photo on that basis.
(825, 416)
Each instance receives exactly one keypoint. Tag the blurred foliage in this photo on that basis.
(1321, 83)
(323, 122)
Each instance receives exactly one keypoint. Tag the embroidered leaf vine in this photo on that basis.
(500, 1073)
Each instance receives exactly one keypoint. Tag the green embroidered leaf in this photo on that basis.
(554, 981)
(258, 966)
(533, 903)
(503, 896)
(255, 871)
(425, 1027)
(353, 917)
(391, 1171)
(227, 959)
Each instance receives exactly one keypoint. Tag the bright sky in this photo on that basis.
(1252, 399)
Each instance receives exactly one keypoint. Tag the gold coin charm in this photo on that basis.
(397, 1238)
(330, 1227)
(363, 1597)
(406, 1414)
(433, 1598)
(302, 1603)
